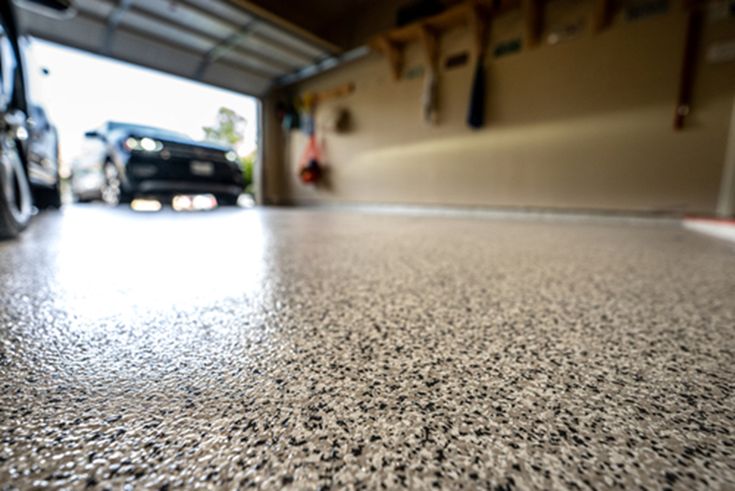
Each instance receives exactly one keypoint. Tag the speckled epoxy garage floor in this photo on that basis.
(345, 350)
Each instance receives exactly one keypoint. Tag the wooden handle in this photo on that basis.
(688, 67)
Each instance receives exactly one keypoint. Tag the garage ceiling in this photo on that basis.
(232, 44)
(337, 21)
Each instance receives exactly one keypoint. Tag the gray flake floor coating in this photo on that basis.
(342, 350)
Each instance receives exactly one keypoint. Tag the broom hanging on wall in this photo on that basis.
(476, 110)
(476, 113)
(430, 94)
(430, 97)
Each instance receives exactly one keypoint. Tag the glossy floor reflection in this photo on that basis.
(330, 349)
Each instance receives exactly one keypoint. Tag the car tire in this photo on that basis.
(16, 200)
(45, 198)
(113, 192)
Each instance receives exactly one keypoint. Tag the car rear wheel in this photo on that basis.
(16, 200)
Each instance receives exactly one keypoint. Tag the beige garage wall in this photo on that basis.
(584, 124)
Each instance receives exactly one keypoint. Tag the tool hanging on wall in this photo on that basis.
(311, 166)
(430, 95)
(288, 114)
(337, 120)
(308, 112)
(692, 42)
(476, 111)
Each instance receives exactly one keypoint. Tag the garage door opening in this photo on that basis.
(191, 145)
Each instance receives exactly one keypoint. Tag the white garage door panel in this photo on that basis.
(140, 51)
(219, 71)
(222, 9)
(182, 14)
(256, 62)
(288, 41)
(101, 9)
(87, 33)
(216, 41)
(139, 23)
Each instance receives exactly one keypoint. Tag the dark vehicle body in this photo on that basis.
(42, 146)
(28, 143)
(122, 161)
(42, 151)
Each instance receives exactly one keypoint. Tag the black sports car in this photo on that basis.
(122, 161)
(28, 143)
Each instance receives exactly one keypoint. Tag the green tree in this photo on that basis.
(229, 129)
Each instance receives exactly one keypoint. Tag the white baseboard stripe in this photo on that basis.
(723, 229)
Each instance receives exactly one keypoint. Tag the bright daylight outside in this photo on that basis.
(96, 103)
